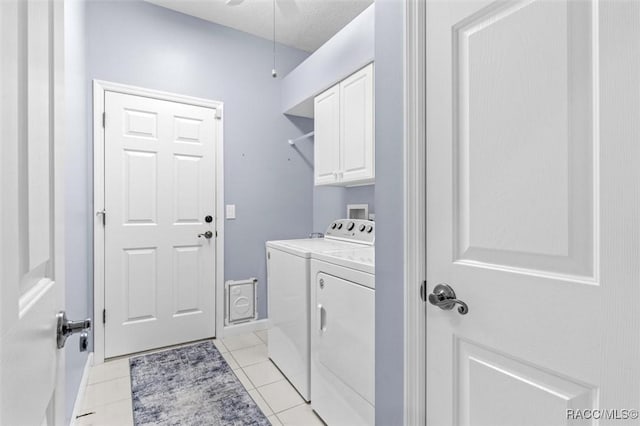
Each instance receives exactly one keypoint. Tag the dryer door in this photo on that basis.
(343, 351)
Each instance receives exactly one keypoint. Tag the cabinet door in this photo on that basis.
(356, 127)
(327, 136)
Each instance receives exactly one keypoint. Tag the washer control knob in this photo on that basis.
(369, 229)
(350, 226)
(333, 225)
(339, 226)
(362, 227)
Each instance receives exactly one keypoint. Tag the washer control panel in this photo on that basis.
(356, 230)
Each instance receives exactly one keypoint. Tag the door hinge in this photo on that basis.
(104, 316)
(104, 119)
(423, 291)
(103, 213)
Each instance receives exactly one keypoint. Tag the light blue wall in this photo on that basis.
(389, 213)
(77, 192)
(349, 50)
(270, 183)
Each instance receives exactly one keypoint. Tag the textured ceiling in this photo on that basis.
(304, 24)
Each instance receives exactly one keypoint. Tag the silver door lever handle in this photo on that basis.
(444, 298)
(207, 235)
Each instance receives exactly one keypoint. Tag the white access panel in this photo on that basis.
(343, 345)
(288, 284)
(240, 301)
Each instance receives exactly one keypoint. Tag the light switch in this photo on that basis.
(231, 211)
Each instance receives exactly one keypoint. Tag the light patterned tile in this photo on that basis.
(221, 347)
(299, 415)
(252, 355)
(106, 392)
(274, 420)
(117, 413)
(260, 402)
(230, 360)
(263, 373)
(244, 379)
(109, 370)
(241, 341)
(280, 396)
(262, 335)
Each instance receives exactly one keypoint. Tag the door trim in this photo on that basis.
(415, 213)
(99, 89)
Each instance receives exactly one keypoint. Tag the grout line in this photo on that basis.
(107, 380)
(99, 406)
(286, 409)
(247, 347)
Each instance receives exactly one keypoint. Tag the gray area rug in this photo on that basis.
(190, 385)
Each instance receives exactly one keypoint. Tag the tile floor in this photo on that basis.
(107, 399)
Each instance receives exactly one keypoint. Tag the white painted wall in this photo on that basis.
(77, 191)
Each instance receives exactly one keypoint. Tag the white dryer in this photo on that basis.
(289, 295)
(343, 337)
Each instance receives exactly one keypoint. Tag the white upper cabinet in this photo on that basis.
(327, 136)
(344, 143)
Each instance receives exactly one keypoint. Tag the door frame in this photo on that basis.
(99, 89)
(415, 205)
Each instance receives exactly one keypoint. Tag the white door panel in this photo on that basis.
(288, 278)
(345, 336)
(32, 213)
(159, 186)
(356, 126)
(327, 136)
(527, 219)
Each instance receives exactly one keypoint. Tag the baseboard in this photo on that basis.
(81, 390)
(247, 327)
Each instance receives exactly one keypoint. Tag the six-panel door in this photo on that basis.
(159, 187)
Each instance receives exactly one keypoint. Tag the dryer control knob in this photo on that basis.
(339, 226)
(350, 226)
(333, 225)
(362, 228)
(369, 229)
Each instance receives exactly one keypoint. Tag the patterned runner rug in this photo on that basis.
(190, 385)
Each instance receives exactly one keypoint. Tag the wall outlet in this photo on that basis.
(231, 211)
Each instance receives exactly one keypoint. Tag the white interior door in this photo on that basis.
(31, 214)
(533, 171)
(159, 188)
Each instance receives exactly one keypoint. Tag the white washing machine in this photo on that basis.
(343, 337)
(289, 295)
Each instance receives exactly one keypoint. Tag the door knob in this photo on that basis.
(207, 235)
(444, 298)
(66, 328)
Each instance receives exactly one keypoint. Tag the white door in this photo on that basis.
(327, 136)
(31, 214)
(533, 171)
(356, 126)
(159, 189)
